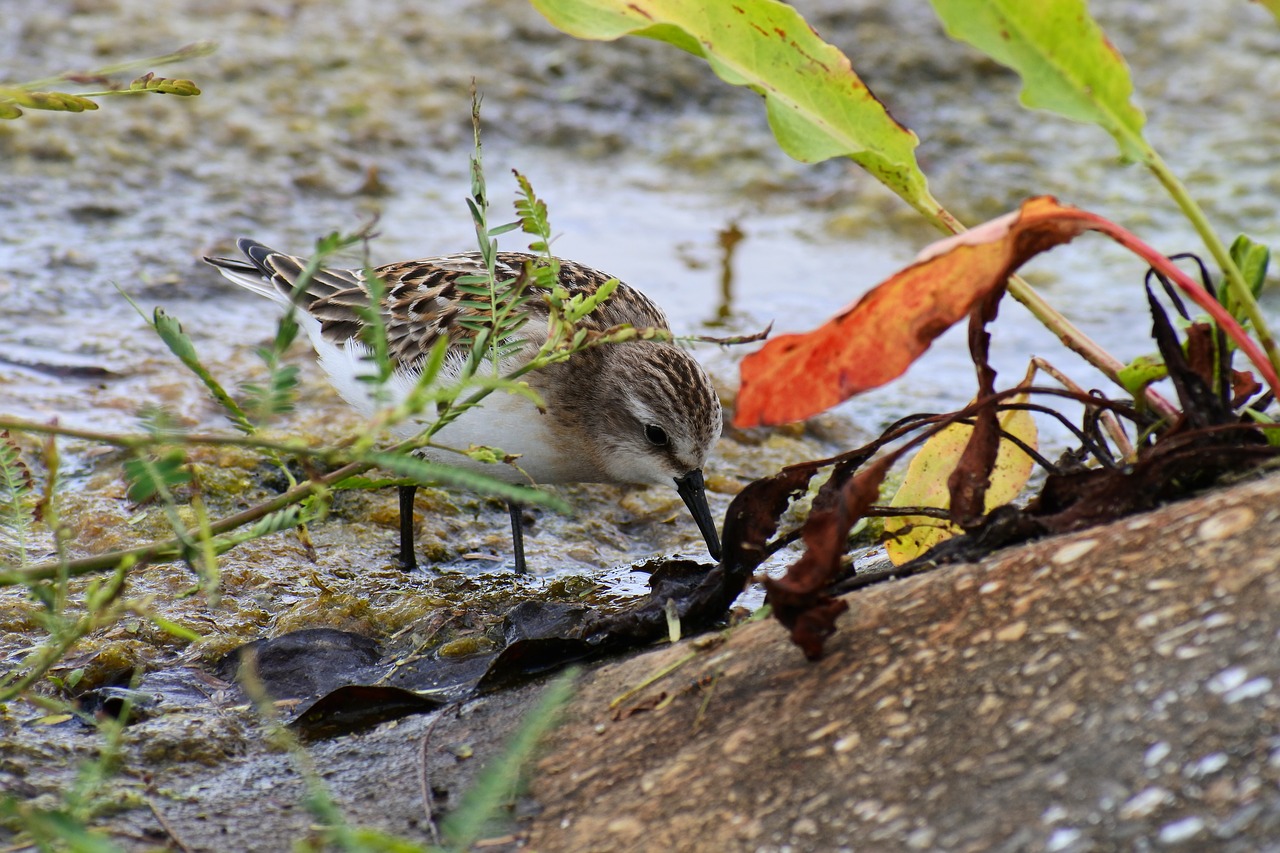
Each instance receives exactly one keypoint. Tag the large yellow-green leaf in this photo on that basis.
(1066, 63)
(817, 106)
(1272, 5)
(925, 483)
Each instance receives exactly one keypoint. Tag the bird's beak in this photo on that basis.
(694, 494)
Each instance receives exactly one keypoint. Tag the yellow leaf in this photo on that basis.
(925, 484)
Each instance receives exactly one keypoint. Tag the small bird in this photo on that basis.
(635, 412)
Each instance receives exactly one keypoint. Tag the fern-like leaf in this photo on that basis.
(181, 345)
(151, 475)
(17, 499)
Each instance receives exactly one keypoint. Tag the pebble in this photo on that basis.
(1074, 551)
(1181, 830)
(1227, 524)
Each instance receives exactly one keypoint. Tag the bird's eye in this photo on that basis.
(657, 435)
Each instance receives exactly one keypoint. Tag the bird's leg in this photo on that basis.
(408, 561)
(517, 534)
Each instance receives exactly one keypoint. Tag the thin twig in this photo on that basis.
(142, 441)
(166, 826)
(909, 511)
(424, 781)
(1109, 421)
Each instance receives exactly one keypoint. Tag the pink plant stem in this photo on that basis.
(1193, 289)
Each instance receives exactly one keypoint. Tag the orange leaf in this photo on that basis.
(876, 340)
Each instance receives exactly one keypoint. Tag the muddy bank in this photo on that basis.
(1106, 690)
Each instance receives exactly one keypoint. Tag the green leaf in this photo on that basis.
(283, 519)
(817, 106)
(170, 331)
(277, 396)
(1252, 259)
(1141, 372)
(180, 344)
(583, 304)
(487, 455)
(173, 629)
(1273, 6)
(476, 215)
(147, 477)
(1273, 435)
(503, 229)
(432, 366)
(286, 332)
(1066, 63)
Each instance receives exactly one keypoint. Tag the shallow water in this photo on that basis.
(645, 160)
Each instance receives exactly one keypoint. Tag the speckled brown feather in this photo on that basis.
(422, 300)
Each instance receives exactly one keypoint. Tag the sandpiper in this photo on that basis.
(636, 412)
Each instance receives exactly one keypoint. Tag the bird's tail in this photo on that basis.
(274, 275)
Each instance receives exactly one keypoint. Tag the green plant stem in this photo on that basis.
(173, 548)
(191, 51)
(139, 442)
(106, 93)
(1078, 342)
(1240, 290)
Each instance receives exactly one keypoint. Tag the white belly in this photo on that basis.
(506, 421)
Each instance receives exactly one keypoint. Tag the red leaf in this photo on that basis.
(877, 339)
(969, 481)
(874, 341)
(799, 599)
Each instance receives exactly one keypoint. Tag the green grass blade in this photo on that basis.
(493, 786)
